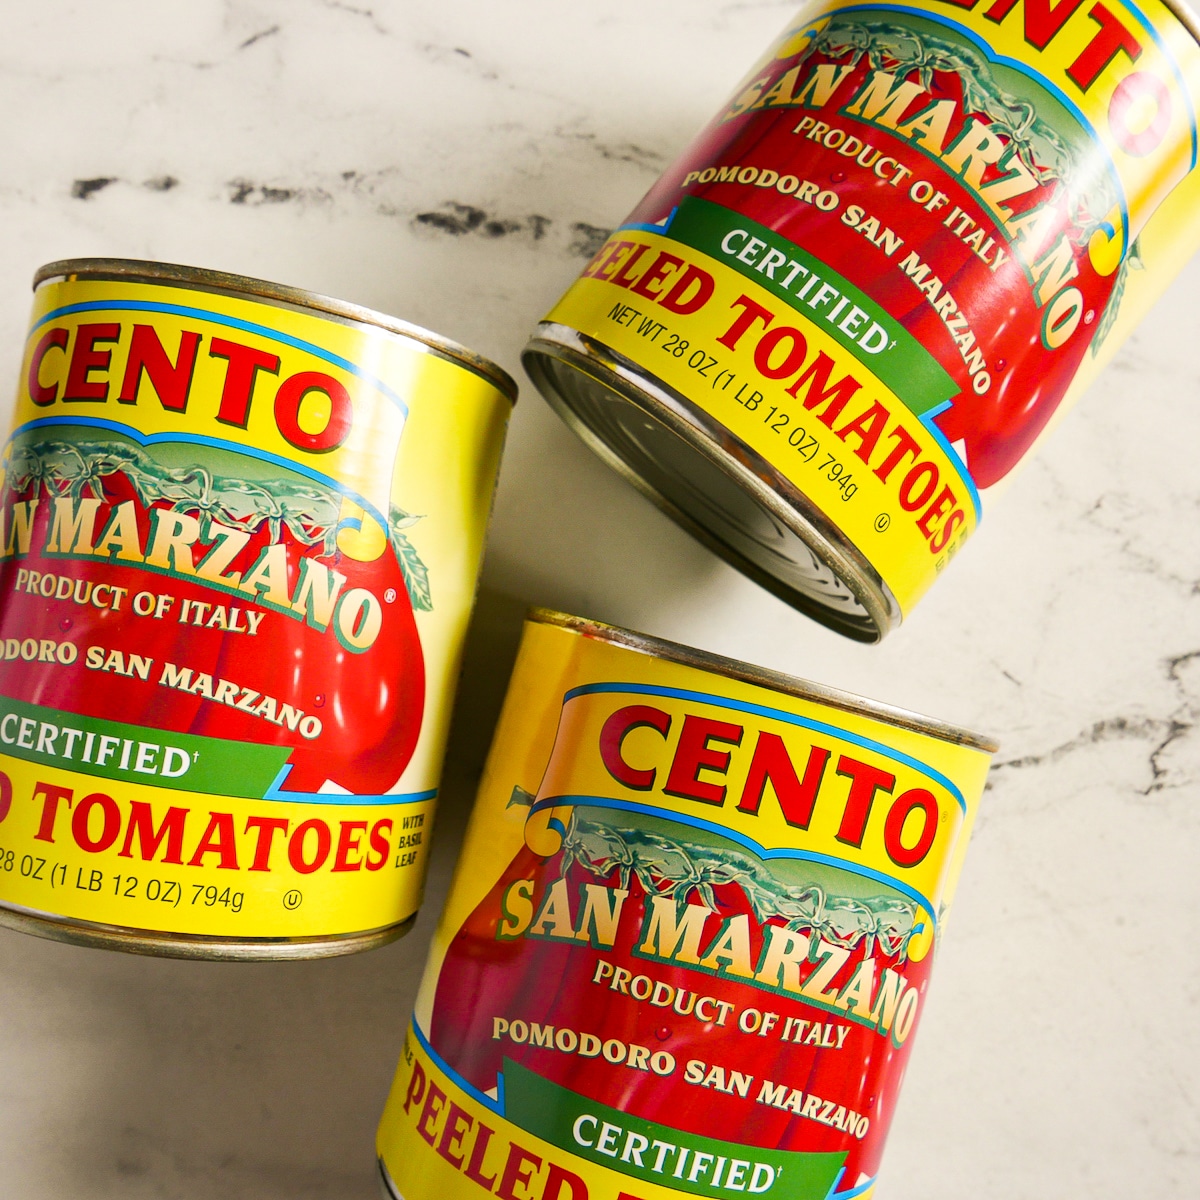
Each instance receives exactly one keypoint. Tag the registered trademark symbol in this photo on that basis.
(882, 522)
(292, 900)
(390, 595)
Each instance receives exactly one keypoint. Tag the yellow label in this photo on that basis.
(1129, 73)
(790, 392)
(688, 941)
(768, 773)
(141, 857)
(238, 549)
(437, 1139)
(886, 263)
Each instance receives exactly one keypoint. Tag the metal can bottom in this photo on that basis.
(709, 482)
(387, 1187)
(194, 946)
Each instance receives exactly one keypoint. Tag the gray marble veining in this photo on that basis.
(453, 164)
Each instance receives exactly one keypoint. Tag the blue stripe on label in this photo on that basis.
(953, 455)
(497, 1105)
(1176, 70)
(775, 714)
(274, 793)
(850, 1193)
(182, 310)
(657, 227)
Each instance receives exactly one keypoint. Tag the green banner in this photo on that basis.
(114, 750)
(901, 362)
(657, 1153)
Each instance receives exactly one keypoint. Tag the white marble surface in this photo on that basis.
(450, 163)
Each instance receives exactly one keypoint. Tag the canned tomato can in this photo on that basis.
(838, 322)
(241, 527)
(689, 937)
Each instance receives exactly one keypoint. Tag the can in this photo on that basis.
(849, 310)
(689, 937)
(241, 527)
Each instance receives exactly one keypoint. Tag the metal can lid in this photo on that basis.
(777, 681)
(140, 270)
(720, 490)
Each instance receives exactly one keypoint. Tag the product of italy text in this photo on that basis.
(240, 531)
(689, 941)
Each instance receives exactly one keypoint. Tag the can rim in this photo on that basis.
(100, 935)
(789, 685)
(245, 285)
(768, 488)
(1186, 16)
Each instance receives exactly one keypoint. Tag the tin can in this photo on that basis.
(689, 937)
(241, 528)
(849, 310)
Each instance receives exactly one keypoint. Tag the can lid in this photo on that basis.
(777, 681)
(222, 281)
(703, 477)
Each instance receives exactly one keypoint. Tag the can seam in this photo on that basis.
(1185, 16)
(174, 274)
(214, 948)
(689, 423)
(776, 681)
(387, 1185)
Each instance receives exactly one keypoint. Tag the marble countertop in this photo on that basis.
(453, 164)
